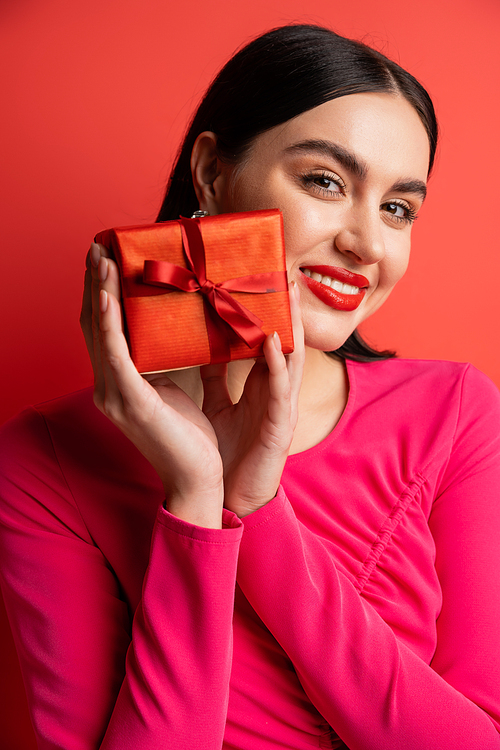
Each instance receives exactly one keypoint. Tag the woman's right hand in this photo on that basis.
(165, 425)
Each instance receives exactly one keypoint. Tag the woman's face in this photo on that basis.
(349, 177)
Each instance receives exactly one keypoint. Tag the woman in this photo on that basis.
(311, 566)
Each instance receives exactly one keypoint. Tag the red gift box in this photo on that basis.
(202, 290)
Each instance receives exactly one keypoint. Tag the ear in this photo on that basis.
(209, 174)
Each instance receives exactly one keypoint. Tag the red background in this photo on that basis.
(95, 97)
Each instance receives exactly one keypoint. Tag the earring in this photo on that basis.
(199, 214)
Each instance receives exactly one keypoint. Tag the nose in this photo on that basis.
(361, 238)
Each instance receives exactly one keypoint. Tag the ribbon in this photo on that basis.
(219, 305)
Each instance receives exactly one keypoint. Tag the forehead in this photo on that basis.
(382, 130)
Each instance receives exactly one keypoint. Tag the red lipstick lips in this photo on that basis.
(332, 298)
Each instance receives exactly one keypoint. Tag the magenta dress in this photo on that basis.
(360, 608)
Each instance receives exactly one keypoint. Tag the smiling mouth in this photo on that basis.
(338, 286)
(336, 291)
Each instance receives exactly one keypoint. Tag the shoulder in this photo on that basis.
(34, 436)
(438, 404)
(438, 419)
(55, 429)
(413, 370)
(54, 455)
(27, 435)
(66, 469)
(439, 383)
(33, 489)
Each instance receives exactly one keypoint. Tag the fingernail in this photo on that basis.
(296, 290)
(103, 301)
(95, 254)
(103, 269)
(277, 341)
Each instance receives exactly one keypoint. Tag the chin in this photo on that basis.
(328, 330)
(326, 341)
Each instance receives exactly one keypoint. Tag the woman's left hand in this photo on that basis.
(255, 434)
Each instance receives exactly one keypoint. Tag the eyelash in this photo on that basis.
(411, 214)
(309, 181)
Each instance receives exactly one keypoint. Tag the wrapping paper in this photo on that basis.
(196, 291)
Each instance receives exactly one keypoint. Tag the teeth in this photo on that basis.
(333, 283)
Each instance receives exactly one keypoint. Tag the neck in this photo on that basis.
(322, 400)
(323, 394)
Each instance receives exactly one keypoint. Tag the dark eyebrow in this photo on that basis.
(351, 162)
(334, 151)
(411, 186)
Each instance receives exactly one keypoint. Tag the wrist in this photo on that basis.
(201, 508)
(244, 506)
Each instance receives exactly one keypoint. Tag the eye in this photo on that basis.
(325, 183)
(400, 212)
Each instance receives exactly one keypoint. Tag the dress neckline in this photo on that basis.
(336, 432)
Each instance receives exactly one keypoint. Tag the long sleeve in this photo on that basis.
(75, 633)
(176, 687)
(372, 688)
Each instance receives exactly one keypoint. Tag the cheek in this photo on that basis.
(310, 228)
(252, 189)
(396, 262)
(391, 271)
(402, 266)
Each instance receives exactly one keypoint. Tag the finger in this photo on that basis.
(89, 315)
(106, 389)
(99, 383)
(123, 384)
(295, 360)
(86, 311)
(105, 277)
(98, 251)
(284, 388)
(278, 407)
(215, 391)
(110, 277)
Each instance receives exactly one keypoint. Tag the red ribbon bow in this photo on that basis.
(219, 304)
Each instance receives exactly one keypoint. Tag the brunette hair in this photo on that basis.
(278, 76)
